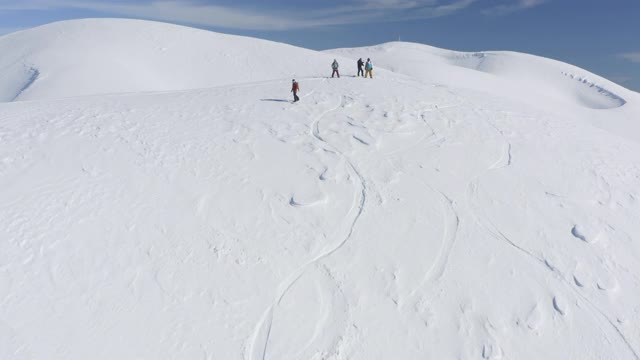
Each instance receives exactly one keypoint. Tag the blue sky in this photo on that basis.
(602, 36)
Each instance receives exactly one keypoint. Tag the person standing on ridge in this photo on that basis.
(360, 65)
(294, 89)
(369, 69)
(335, 66)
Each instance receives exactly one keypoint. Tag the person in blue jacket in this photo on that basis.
(368, 67)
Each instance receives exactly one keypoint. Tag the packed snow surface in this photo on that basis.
(161, 198)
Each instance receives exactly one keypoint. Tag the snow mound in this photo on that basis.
(527, 78)
(98, 56)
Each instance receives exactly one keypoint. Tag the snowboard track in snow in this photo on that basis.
(451, 226)
(503, 162)
(490, 228)
(258, 347)
(451, 222)
(437, 270)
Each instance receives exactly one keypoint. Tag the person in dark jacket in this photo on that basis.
(294, 89)
(360, 65)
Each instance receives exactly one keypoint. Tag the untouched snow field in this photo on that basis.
(457, 206)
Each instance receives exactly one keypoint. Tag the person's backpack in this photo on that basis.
(369, 66)
(334, 65)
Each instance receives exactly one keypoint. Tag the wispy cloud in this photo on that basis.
(513, 6)
(450, 8)
(256, 17)
(631, 56)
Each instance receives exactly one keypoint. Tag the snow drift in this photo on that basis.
(437, 215)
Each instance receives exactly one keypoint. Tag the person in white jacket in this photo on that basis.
(335, 67)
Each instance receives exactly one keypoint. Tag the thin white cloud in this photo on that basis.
(395, 4)
(513, 6)
(631, 56)
(448, 9)
(192, 13)
(189, 12)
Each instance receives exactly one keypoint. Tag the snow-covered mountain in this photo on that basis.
(98, 56)
(161, 198)
(530, 80)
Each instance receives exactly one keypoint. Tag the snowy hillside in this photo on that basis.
(98, 56)
(527, 79)
(441, 213)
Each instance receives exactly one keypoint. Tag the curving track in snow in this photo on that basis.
(260, 340)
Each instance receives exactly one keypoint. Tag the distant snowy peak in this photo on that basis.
(99, 56)
(525, 77)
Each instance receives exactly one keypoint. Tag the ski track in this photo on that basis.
(503, 162)
(451, 221)
(258, 347)
(451, 227)
(498, 235)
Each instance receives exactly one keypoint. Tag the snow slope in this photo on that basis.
(393, 218)
(98, 56)
(523, 78)
(520, 76)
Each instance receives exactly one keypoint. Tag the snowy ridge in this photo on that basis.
(132, 56)
(532, 81)
(616, 100)
(523, 77)
(482, 206)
